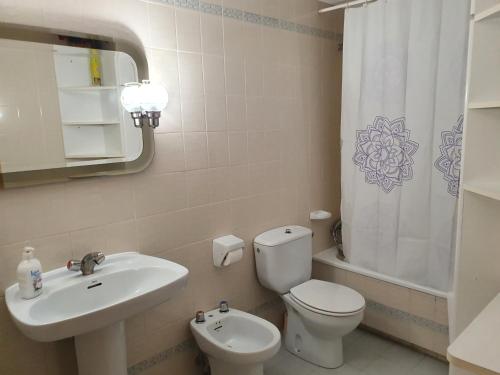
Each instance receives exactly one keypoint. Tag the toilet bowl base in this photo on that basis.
(324, 353)
(218, 367)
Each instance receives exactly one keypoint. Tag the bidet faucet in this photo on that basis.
(87, 264)
(223, 307)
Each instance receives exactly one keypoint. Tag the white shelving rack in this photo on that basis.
(91, 115)
(477, 268)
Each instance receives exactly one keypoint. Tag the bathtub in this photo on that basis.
(410, 313)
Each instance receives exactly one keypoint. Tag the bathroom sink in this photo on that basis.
(72, 304)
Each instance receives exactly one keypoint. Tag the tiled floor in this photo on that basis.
(364, 354)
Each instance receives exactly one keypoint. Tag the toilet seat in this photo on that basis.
(327, 298)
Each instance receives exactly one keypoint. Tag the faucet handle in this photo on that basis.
(223, 307)
(200, 317)
(74, 265)
(99, 257)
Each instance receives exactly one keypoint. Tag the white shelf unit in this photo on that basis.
(479, 105)
(485, 61)
(483, 8)
(486, 189)
(492, 11)
(477, 268)
(91, 115)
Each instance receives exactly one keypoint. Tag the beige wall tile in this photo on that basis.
(191, 75)
(236, 113)
(198, 186)
(233, 35)
(193, 113)
(203, 183)
(214, 75)
(238, 148)
(422, 304)
(388, 294)
(441, 311)
(239, 181)
(216, 112)
(263, 146)
(188, 30)
(357, 282)
(170, 120)
(28, 12)
(441, 342)
(184, 363)
(421, 336)
(162, 26)
(164, 68)
(157, 194)
(218, 155)
(219, 184)
(325, 272)
(235, 76)
(264, 177)
(195, 146)
(212, 34)
(169, 149)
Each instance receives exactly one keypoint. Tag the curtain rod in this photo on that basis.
(345, 5)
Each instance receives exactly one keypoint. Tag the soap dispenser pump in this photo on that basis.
(29, 275)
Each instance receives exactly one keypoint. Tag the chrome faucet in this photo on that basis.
(223, 307)
(87, 264)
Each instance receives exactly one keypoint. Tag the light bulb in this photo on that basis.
(154, 97)
(131, 97)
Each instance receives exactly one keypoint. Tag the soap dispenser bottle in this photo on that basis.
(29, 274)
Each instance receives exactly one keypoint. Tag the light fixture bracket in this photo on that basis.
(151, 118)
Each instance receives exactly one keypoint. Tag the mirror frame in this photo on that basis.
(76, 39)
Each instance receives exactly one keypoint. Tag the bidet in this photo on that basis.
(236, 342)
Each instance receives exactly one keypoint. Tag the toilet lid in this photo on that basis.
(328, 297)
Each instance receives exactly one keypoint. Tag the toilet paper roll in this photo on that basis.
(233, 257)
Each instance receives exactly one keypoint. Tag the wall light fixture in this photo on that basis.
(144, 101)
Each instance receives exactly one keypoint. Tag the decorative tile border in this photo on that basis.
(249, 17)
(165, 355)
(190, 345)
(403, 315)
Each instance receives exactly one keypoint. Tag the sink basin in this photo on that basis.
(92, 308)
(72, 304)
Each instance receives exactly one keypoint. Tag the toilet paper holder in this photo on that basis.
(227, 250)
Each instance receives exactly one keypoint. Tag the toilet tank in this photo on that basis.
(283, 257)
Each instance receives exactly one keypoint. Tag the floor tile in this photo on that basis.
(364, 354)
(430, 366)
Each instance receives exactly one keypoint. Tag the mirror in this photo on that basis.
(60, 110)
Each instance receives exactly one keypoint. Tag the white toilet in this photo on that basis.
(320, 313)
(236, 342)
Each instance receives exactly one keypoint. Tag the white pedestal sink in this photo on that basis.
(93, 308)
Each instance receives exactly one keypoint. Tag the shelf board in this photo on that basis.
(93, 156)
(486, 189)
(492, 12)
(486, 104)
(87, 88)
(90, 123)
(476, 348)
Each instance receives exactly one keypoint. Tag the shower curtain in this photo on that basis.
(403, 95)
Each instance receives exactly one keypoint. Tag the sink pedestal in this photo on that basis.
(93, 309)
(102, 352)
